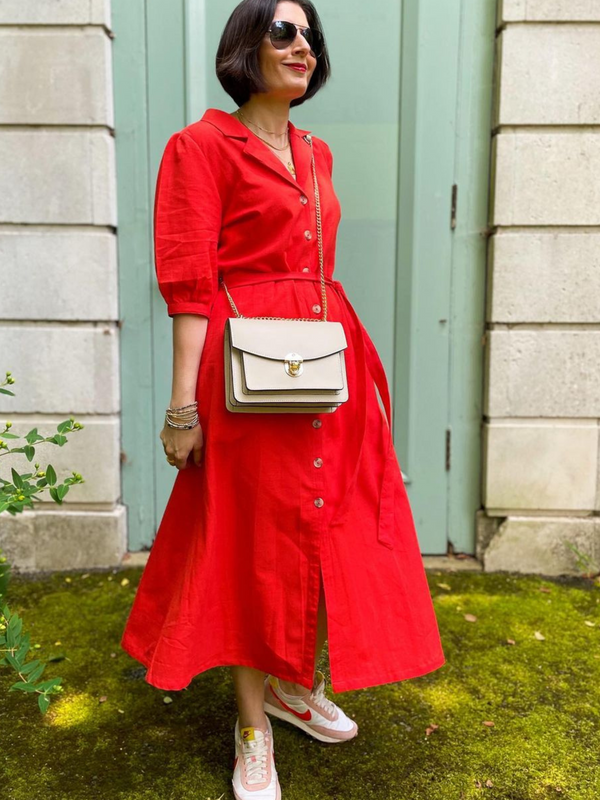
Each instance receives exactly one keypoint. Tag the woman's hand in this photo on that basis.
(178, 443)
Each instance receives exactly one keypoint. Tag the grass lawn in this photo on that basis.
(542, 696)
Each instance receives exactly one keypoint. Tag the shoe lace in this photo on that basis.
(318, 696)
(255, 755)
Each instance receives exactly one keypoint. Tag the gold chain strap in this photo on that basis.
(320, 245)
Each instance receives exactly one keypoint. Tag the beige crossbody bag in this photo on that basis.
(280, 365)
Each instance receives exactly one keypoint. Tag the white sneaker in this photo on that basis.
(312, 712)
(254, 773)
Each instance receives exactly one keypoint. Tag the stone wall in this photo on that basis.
(542, 393)
(59, 300)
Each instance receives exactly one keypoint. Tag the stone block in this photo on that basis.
(544, 276)
(37, 541)
(57, 177)
(549, 75)
(537, 465)
(546, 178)
(58, 76)
(51, 274)
(55, 12)
(543, 373)
(549, 10)
(94, 452)
(61, 369)
(542, 545)
(486, 527)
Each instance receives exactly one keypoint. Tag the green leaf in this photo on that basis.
(41, 483)
(12, 661)
(50, 475)
(43, 703)
(15, 624)
(7, 391)
(22, 652)
(35, 674)
(46, 685)
(60, 439)
(29, 452)
(32, 435)
(62, 490)
(9, 436)
(16, 477)
(64, 426)
(29, 666)
(54, 495)
(24, 687)
(10, 637)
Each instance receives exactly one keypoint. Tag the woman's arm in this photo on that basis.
(189, 335)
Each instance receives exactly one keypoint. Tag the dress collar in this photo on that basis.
(231, 126)
(254, 148)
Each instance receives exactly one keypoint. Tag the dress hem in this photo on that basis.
(346, 685)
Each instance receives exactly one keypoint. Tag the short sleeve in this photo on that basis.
(187, 223)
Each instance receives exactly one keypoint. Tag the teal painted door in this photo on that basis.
(401, 106)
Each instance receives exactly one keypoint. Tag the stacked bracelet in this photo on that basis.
(184, 417)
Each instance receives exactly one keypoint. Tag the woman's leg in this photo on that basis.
(249, 682)
(249, 693)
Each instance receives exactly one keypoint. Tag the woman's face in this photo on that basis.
(283, 81)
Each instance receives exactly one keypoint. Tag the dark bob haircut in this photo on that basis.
(237, 64)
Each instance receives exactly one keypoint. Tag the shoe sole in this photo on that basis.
(277, 796)
(287, 717)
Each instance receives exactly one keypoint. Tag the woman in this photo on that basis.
(270, 513)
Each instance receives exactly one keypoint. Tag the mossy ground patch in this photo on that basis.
(542, 696)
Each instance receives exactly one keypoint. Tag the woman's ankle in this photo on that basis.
(255, 722)
(292, 688)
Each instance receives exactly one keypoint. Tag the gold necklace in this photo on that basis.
(258, 126)
(290, 164)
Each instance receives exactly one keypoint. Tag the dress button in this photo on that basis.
(319, 502)
(303, 200)
(318, 462)
(305, 269)
(307, 235)
(316, 308)
(317, 423)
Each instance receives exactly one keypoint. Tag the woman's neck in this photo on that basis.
(269, 115)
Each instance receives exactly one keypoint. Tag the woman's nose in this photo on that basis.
(300, 43)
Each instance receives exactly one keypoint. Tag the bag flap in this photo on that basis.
(274, 339)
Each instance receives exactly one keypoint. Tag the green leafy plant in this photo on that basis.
(22, 491)
(585, 563)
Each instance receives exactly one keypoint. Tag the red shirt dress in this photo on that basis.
(233, 575)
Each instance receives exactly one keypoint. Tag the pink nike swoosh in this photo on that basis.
(305, 715)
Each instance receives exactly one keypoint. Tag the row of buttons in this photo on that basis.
(308, 235)
(318, 462)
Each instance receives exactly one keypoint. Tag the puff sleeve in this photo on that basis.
(187, 223)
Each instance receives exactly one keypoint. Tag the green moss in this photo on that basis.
(542, 696)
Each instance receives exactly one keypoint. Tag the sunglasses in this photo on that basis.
(284, 33)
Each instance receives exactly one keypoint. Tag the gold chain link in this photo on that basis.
(320, 246)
